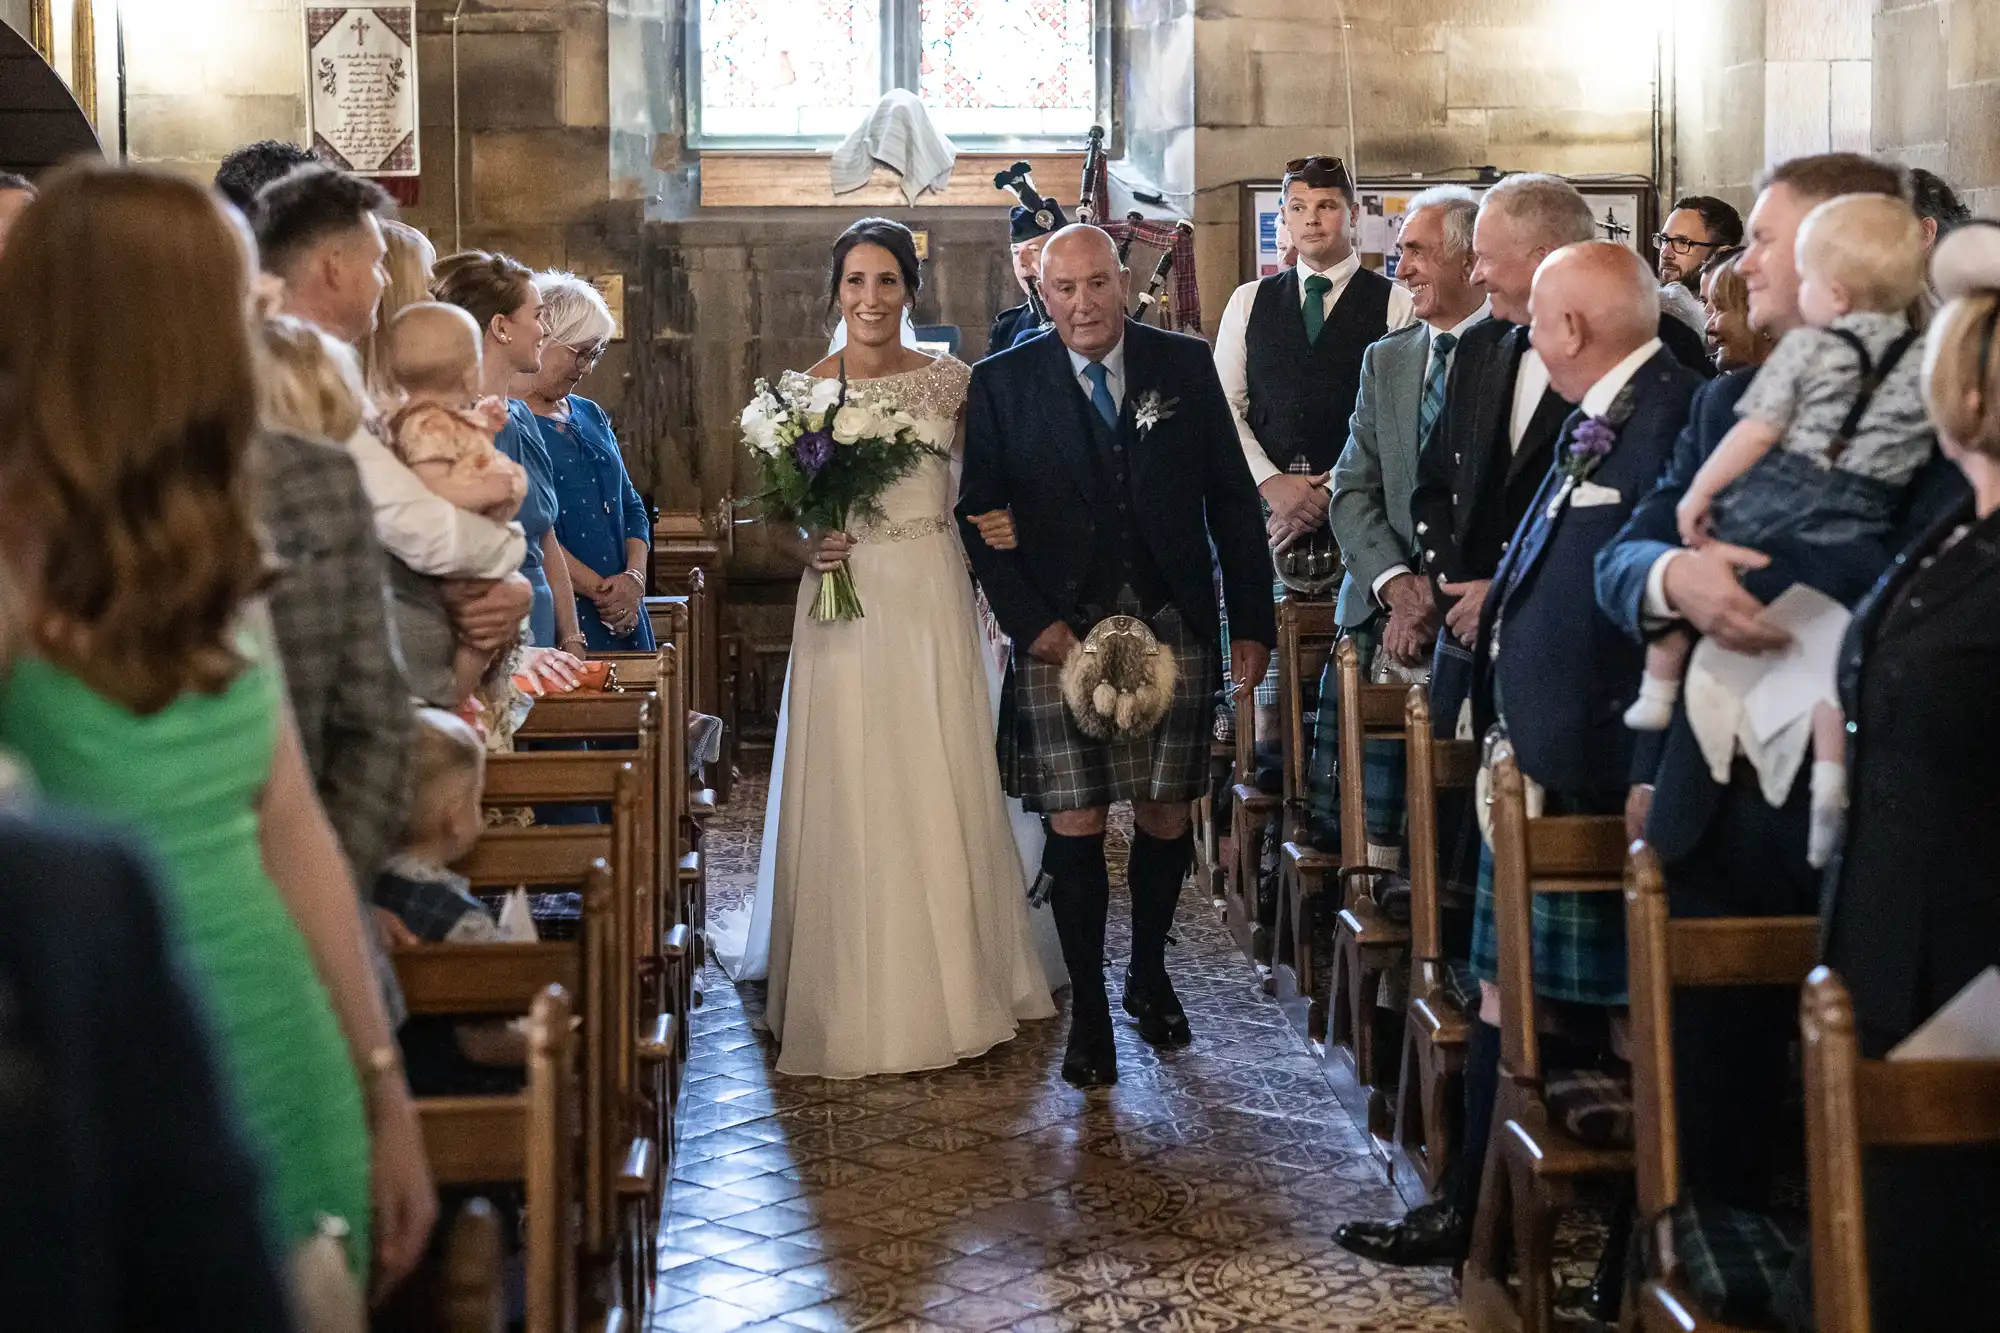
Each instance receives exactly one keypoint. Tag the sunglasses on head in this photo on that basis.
(1317, 162)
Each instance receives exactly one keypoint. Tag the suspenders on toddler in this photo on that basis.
(1872, 376)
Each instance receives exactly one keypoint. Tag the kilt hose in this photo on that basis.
(1052, 766)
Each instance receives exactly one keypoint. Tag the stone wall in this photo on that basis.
(1439, 86)
(1937, 92)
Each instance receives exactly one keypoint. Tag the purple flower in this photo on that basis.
(1593, 438)
(814, 451)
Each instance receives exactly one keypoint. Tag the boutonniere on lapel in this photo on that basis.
(1151, 410)
(1589, 445)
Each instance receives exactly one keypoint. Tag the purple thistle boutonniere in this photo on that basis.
(1589, 445)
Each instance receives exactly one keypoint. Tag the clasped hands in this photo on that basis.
(617, 600)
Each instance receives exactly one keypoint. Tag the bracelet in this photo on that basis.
(636, 577)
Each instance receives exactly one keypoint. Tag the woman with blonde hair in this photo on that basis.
(1913, 908)
(1732, 342)
(409, 261)
(147, 692)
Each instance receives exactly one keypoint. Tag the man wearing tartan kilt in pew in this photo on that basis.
(1554, 673)
(1384, 602)
(1112, 445)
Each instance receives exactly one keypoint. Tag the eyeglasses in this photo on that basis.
(1680, 245)
(587, 357)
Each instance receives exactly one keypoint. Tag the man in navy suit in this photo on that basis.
(1557, 672)
(1112, 445)
(1725, 850)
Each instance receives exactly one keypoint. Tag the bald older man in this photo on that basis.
(1114, 448)
(1557, 672)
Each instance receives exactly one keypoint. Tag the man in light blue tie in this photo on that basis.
(1113, 447)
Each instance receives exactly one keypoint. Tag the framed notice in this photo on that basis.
(361, 63)
(1624, 214)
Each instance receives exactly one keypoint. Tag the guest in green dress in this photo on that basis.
(144, 689)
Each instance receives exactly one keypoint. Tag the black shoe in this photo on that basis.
(1430, 1235)
(1162, 1021)
(1090, 1065)
(1091, 1061)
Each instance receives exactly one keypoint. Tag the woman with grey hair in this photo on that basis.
(601, 522)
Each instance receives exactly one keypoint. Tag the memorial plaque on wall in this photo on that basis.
(361, 62)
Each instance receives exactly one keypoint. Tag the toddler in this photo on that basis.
(1830, 432)
(444, 430)
(436, 905)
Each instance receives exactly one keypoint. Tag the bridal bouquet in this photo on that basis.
(827, 458)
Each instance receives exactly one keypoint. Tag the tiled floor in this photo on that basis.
(1195, 1197)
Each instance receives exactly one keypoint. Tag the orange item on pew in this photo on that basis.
(592, 676)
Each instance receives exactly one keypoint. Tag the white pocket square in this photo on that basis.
(1589, 494)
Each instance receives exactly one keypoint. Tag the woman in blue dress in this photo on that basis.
(601, 523)
(500, 293)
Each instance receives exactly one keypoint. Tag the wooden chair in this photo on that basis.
(1307, 632)
(1664, 953)
(1536, 1165)
(628, 1094)
(1436, 1025)
(1367, 943)
(1854, 1104)
(530, 1138)
(1251, 813)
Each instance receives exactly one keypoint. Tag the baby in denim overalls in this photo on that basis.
(1829, 434)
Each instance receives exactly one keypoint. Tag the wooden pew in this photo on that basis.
(1307, 632)
(662, 946)
(1854, 1104)
(529, 1138)
(1435, 1027)
(1251, 813)
(1366, 942)
(1535, 1165)
(627, 1095)
(1664, 953)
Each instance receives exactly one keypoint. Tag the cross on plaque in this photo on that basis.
(360, 30)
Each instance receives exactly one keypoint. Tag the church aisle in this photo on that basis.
(1196, 1197)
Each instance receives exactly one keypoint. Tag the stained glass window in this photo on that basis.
(1008, 66)
(789, 68)
(808, 69)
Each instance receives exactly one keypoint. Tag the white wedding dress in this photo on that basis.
(891, 915)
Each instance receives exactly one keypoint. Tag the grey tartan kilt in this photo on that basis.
(1052, 766)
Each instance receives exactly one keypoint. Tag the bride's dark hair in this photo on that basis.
(891, 236)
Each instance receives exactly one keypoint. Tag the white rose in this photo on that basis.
(853, 422)
(825, 393)
(760, 426)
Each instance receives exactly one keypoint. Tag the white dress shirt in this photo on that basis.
(1457, 331)
(1531, 381)
(1113, 362)
(424, 530)
(1232, 347)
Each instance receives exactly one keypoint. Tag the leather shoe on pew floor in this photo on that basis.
(1430, 1235)
(1162, 1021)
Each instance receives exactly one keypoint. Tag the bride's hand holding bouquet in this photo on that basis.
(826, 458)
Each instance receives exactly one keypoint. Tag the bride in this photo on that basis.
(891, 912)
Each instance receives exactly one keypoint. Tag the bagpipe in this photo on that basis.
(1169, 297)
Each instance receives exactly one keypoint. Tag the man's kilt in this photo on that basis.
(1052, 766)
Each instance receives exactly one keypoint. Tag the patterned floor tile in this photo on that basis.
(1197, 1196)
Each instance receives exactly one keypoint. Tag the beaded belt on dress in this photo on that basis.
(902, 532)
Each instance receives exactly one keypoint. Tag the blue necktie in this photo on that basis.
(1432, 405)
(1100, 392)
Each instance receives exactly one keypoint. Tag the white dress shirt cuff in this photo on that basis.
(1656, 610)
(1382, 581)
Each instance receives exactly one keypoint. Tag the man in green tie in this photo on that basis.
(1288, 353)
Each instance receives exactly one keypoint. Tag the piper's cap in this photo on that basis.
(1028, 223)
